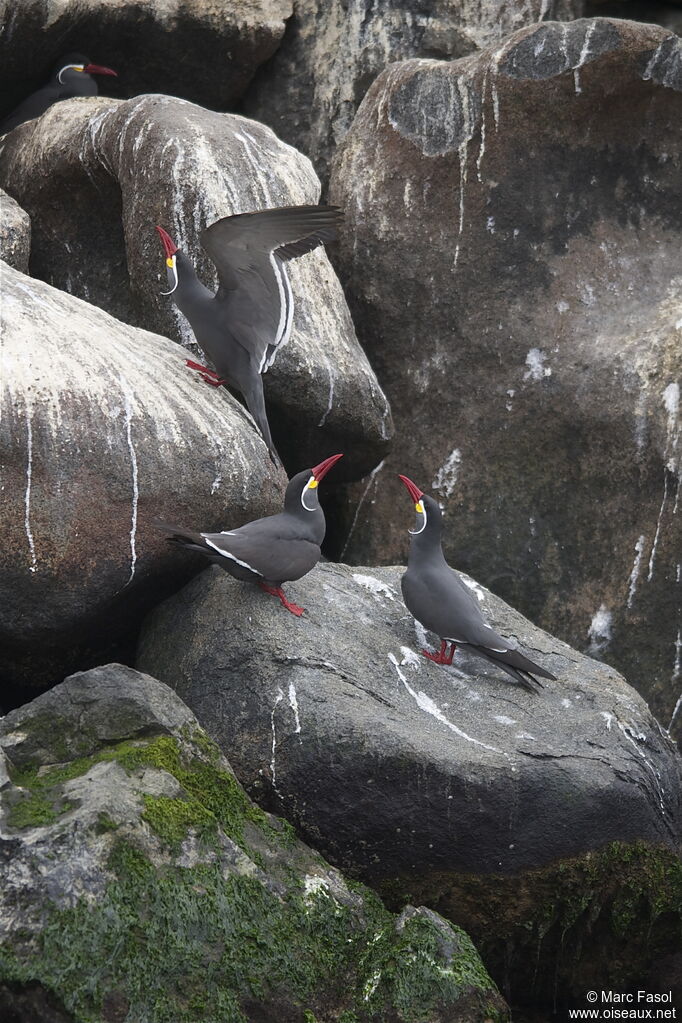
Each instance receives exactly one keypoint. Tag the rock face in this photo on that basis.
(156, 160)
(15, 233)
(101, 431)
(140, 882)
(332, 52)
(512, 256)
(202, 50)
(452, 780)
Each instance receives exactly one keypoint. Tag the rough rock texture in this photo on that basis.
(15, 233)
(512, 255)
(101, 431)
(332, 52)
(667, 14)
(139, 882)
(448, 779)
(156, 160)
(204, 50)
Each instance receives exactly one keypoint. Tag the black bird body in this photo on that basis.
(272, 550)
(72, 76)
(436, 596)
(242, 327)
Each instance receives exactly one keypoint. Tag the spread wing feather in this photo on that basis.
(250, 251)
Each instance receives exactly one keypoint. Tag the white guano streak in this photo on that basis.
(584, 54)
(652, 557)
(372, 476)
(463, 154)
(273, 772)
(293, 703)
(27, 497)
(426, 704)
(634, 575)
(133, 465)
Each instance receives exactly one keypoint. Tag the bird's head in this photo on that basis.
(73, 65)
(426, 508)
(302, 490)
(170, 248)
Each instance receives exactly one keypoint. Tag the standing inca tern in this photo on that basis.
(71, 77)
(242, 327)
(436, 596)
(276, 549)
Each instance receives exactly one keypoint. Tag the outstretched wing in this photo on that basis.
(249, 251)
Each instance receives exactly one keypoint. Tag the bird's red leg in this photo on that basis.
(209, 375)
(277, 591)
(200, 368)
(438, 658)
(448, 659)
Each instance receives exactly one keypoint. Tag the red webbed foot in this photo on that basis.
(277, 591)
(441, 657)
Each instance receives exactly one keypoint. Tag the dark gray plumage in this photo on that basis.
(272, 550)
(72, 76)
(437, 597)
(247, 321)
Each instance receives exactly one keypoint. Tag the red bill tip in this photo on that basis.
(97, 69)
(321, 470)
(415, 493)
(168, 243)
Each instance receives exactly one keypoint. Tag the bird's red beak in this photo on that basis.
(415, 493)
(321, 470)
(168, 243)
(97, 69)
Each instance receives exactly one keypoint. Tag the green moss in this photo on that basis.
(189, 945)
(171, 819)
(604, 916)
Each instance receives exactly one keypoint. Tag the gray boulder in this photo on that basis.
(101, 431)
(156, 160)
(204, 51)
(139, 882)
(332, 52)
(15, 233)
(525, 206)
(451, 781)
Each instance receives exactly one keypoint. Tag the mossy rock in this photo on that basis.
(152, 890)
(603, 920)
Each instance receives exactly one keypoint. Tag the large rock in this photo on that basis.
(454, 781)
(139, 882)
(203, 50)
(512, 254)
(101, 431)
(15, 233)
(157, 160)
(332, 52)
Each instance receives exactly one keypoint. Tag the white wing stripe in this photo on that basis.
(282, 305)
(226, 554)
(288, 312)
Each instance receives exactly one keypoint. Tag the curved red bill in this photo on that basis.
(415, 493)
(321, 470)
(97, 69)
(168, 243)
